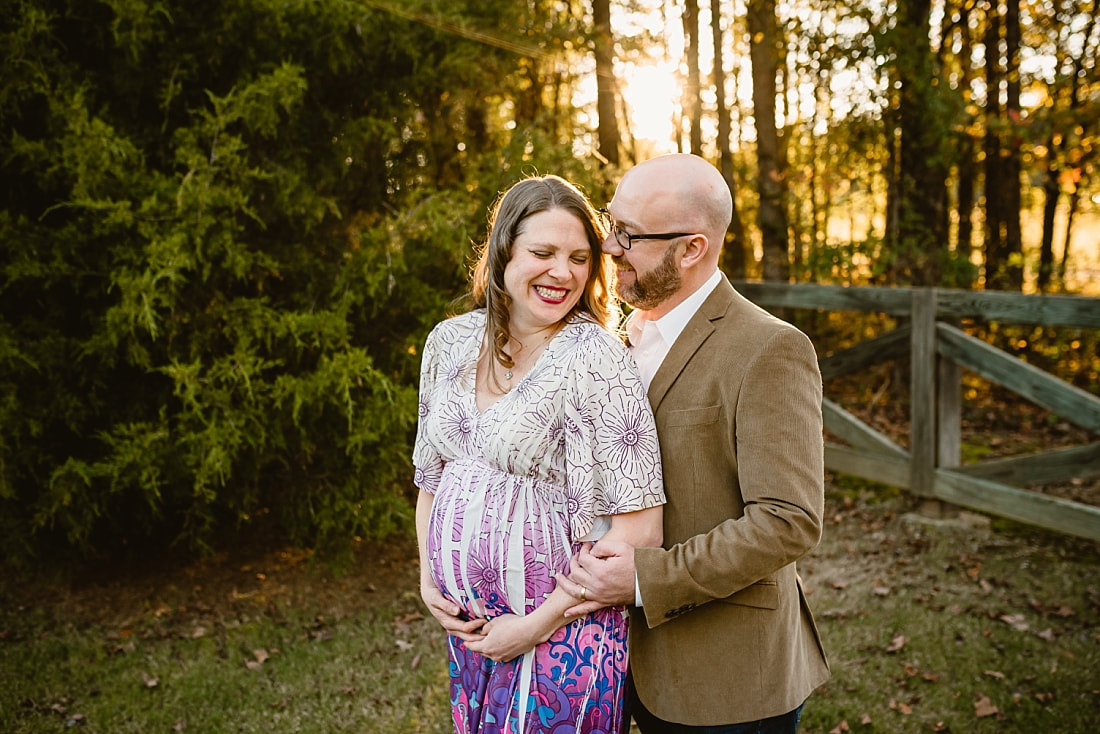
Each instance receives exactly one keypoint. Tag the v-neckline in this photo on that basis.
(546, 350)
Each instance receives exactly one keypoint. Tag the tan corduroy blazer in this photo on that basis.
(725, 635)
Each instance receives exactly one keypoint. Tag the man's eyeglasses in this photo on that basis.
(625, 239)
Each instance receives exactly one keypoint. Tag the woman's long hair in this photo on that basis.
(526, 197)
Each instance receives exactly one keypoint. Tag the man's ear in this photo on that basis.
(697, 248)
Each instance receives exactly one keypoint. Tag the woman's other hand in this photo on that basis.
(449, 615)
(506, 637)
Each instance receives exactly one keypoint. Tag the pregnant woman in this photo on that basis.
(534, 436)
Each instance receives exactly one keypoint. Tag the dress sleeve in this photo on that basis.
(613, 461)
(427, 461)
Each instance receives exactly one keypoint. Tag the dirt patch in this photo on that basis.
(230, 585)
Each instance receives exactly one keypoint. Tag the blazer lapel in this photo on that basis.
(697, 331)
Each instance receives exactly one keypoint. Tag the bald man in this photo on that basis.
(721, 637)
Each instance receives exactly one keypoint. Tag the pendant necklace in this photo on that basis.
(546, 338)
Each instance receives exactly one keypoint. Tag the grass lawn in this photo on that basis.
(958, 625)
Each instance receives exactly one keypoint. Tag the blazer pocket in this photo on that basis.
(762, 594)
(694, 416)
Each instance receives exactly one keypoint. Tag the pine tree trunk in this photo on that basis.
(922, 222)
(994, 172)
(763, 51)
(733, 253)
(608, 141)
(693, 102)
(1014, 247)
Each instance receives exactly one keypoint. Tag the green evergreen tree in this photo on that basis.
(226, 229)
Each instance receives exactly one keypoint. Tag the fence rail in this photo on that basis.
(938, 351)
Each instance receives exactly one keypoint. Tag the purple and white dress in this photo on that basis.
(517, 488)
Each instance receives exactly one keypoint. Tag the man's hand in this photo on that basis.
(506, 637)
(447, 612)
(601, 575)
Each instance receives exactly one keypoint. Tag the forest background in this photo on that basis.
(226, 227)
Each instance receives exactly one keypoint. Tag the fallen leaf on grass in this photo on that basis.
(75, 720)
(150, 681)
(402, 645)
(840, 728)
(995, 674)
(260, 656)
(897, 643)
(1044, 697)
(179, 725)
(401, 624)
(198, 632)
(881, 591)
(1047, 634)
(931, 677)
(983, 707)
(939, 726)
(1017, 622)
(865, 720)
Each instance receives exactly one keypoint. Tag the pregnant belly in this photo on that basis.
(495, 540)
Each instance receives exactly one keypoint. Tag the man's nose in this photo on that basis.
(611, 245)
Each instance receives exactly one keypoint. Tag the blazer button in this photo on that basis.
(678, 611)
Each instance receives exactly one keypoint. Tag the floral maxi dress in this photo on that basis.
(516, 489)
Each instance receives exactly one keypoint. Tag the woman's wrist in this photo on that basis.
(543, 624)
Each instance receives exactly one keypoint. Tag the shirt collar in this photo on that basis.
(673, 323)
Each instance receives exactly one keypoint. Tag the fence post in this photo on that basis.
(922, 397)
(948, 413)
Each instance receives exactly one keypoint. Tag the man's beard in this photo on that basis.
(652, 287)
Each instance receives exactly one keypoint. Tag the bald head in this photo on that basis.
(683, 188)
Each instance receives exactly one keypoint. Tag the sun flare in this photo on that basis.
(651, 93)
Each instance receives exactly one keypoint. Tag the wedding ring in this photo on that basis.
(584, 593)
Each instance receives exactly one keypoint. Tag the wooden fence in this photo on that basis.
(938, 351)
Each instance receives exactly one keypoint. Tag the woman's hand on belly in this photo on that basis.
(449, 615)
(509, 636)
(506, 637)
